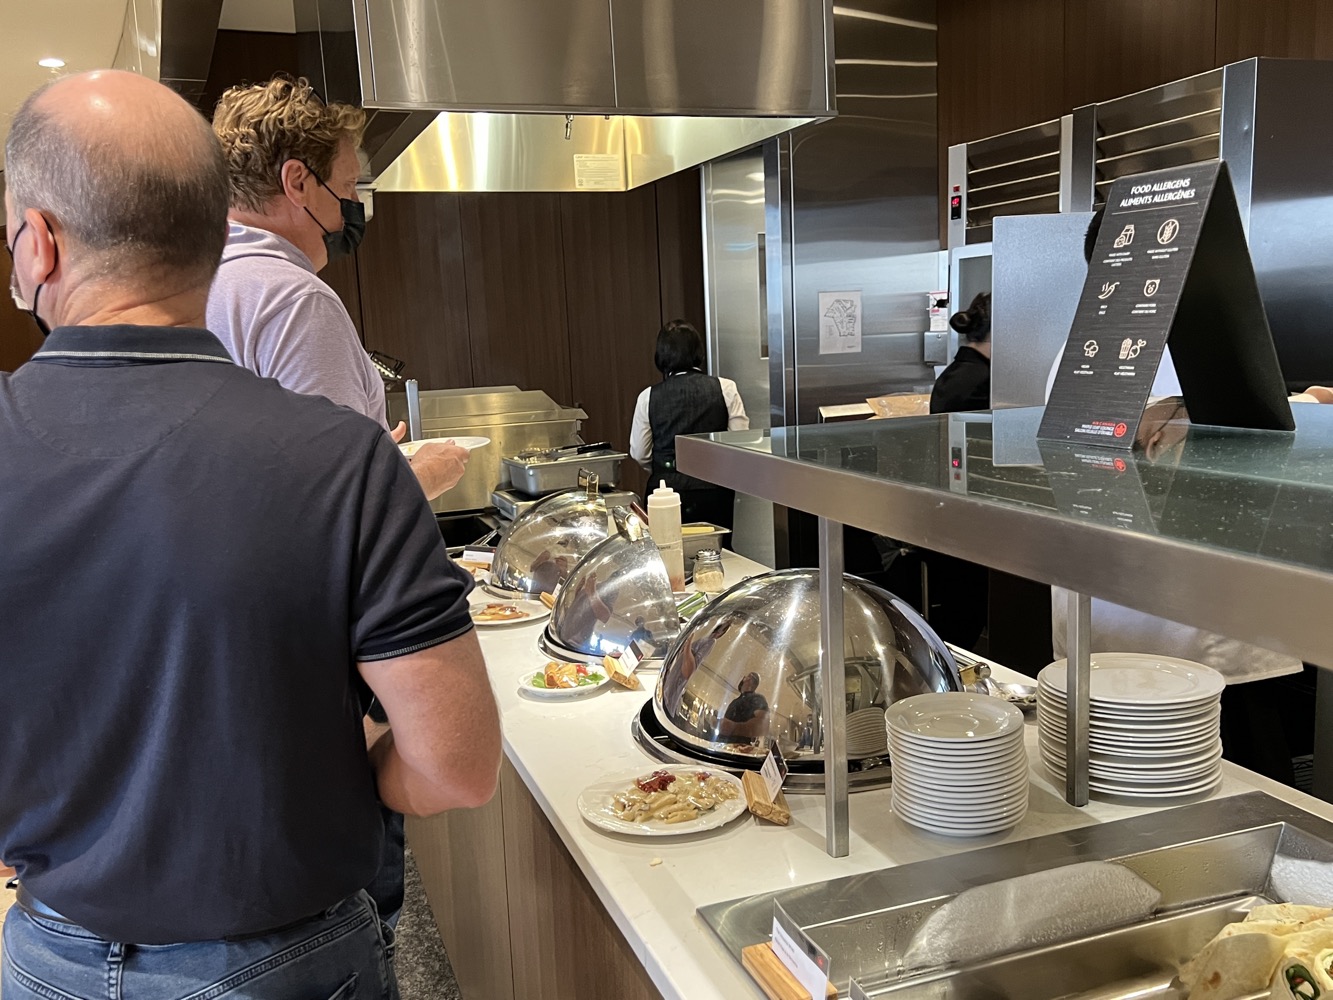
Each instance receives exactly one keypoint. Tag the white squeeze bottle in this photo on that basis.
(664, 526)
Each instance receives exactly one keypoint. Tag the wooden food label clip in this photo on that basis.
(763, 791)
(621, 666)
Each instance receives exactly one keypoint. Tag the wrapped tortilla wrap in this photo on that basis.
(1233, 965)
(1302, 974)
(1289, 913)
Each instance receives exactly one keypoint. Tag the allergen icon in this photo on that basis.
(1150, 286)
(1166, 233)
(1108, 289)
(1130, 349)
(1090, 349)
(1126, 236)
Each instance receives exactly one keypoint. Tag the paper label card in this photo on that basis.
(774, 770)
(840, 322)
(804, 959)
(482, 557)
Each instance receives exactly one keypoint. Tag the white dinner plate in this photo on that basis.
(410, 448)
(961, 829)
(1119, 742)
(535, 611)
(1047, 721)
(960, 770)
(959, 759)
(941, 812)
(1056, 703)
(1185, 786)
(945, 786)
(1209, 708)
(953, 717)
(1139, 679)
(1136, 758)
(964, 793)
(594, 805)
(1145, 722)
(959, 806)
(527, 687)
(1147, 780)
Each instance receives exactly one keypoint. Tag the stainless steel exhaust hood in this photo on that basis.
(566, 95)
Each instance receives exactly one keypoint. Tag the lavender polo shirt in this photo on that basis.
(276, 318)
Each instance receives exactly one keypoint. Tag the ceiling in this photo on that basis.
(86, 33)
(257, 15)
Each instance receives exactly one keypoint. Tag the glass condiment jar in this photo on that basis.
(708, 575)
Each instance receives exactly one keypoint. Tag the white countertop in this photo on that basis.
(560, 748)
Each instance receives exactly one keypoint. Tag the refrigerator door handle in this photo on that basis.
(761, 240)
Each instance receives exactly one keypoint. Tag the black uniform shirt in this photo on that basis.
(194, 559)
(964, 385)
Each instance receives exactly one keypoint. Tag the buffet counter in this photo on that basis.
(535, 903)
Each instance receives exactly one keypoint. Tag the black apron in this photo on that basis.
(688, 403)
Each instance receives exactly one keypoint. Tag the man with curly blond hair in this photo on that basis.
(292, 169)
(292, 166)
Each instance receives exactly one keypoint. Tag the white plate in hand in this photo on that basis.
(410, 448)
(595, 805)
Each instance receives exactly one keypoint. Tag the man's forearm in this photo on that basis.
(408, 791)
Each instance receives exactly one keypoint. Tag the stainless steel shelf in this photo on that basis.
(1266, 580)
(1226, 530)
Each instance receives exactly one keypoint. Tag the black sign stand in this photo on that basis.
(1171, 262)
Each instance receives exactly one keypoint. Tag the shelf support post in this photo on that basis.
(1078, 675)
(834, 688)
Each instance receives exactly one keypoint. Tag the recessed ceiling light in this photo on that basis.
(51, 63)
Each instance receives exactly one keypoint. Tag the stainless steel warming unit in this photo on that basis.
(514, 419)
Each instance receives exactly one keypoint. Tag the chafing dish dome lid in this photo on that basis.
(746, 669)
(547, 540)
(618, 593)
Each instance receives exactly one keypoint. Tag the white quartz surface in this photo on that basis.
(560, 748)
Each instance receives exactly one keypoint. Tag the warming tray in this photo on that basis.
(547, 475)
(1212, 862)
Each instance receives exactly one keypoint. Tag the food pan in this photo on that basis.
(547, 475)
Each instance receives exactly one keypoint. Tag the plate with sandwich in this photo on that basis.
(558, 680)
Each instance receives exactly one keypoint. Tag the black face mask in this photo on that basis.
(14, 292)
(344, 241)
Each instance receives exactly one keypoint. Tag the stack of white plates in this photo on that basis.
(1154, 726)
(865, 733)
(959, 764)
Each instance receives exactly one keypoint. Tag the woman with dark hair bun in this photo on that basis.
(965, 384)
(686, 401)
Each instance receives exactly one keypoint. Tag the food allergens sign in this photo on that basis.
(1134, 284)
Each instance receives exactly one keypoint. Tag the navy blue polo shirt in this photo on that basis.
(192, 561)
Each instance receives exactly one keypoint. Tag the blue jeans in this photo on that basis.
(344, 954)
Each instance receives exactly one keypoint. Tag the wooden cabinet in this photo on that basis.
(517, 917)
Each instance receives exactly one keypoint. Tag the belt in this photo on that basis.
(34, 907)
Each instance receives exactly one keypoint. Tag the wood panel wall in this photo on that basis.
(19, 335)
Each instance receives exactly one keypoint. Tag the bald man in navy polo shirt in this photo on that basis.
(205, 576)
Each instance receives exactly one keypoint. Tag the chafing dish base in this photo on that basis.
(1212, 862)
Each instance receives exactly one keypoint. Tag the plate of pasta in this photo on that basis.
(667, 802)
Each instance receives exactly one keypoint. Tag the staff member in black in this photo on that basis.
(686, 401)
(965, 384)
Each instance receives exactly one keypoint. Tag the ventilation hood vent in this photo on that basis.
(565, 95)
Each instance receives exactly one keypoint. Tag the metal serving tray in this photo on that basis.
(547, 476)
(1212, 862)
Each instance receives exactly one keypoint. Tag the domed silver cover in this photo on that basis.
(546, 542)
(617, 594)
(746, 669)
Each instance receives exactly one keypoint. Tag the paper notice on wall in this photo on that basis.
(598, 172)
(840, 322)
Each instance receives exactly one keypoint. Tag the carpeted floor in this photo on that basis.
(420, 960)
